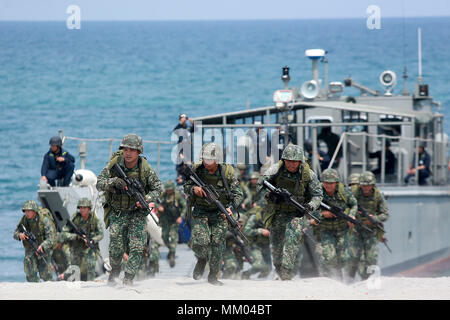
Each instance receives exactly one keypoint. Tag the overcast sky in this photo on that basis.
(217, 10)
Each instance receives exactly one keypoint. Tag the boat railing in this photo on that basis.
(403, 146)
(438, 156)
(83, 150)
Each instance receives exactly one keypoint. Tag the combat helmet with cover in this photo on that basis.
(254, 175)
(293, 152)
(367, 178)
(211, 151)
(354, 178)
(329, 175)
(30, 205)
(84, 202)
(169, 185)
(132, 141)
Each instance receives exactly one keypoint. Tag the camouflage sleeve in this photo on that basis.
(268, 174)
(382, 213)
(104, 181)
(182, 204)
(246, 195)
(66, 235)
(155, 186)
(16, 233)
(250, 229)
(352, 203)
(98, 232)
(235, 189)
(50, 236)
(315, 190)
(189, 188)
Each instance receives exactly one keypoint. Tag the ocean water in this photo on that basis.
(112, 78)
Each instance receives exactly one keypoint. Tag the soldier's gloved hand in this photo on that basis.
(309, 207)
(119, 184)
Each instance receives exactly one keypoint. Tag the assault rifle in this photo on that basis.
(212, 196)
(90, 243)
(339, 213)
(134, 189)
(377, 225)
(287, 196)
(31, 239)
(241, 246)
(82, 234)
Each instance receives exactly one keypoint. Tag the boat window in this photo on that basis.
(390, 130)
(358, 118)
(317, 120)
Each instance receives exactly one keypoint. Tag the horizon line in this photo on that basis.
(227, 19)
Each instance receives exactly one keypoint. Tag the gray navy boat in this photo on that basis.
(417, 229)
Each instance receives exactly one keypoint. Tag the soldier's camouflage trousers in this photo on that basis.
(127, 232)
(286, 236)
(333, 252)
(262, 261)
(33, 265)
(150, 262)
(363, 252)
(208, 238)
(86, 259)
(170, 236)
(231, 265)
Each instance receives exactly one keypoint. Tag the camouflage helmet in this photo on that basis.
(292, 152)
(55, 141)
(30, 205)
(84, 202)
(211, 151)
(132, 141)
(329, 175)
(354, 178)
(254, 175)
(169, 185)
(241, 166)
(367, 178)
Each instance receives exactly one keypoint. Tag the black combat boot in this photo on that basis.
(128, 280)
(172, 259)
(212, 278)
(113, 275)
(199, 268)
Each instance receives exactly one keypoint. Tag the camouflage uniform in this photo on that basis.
(81, 255)
(61, 254)
(334, 232)
(174, 207)
(150, 262)
(259, 244)
(233, 260)
(45, 233)
(208, 226)
(285, 222)
(353, 182)
(127, 222)
(365, 244)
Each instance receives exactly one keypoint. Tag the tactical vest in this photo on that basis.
(90, 227)
(217, 180)
(120, 201)
(36, 227)
(339, 199)
(370, 203)
(171, 204)
(296, 184)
